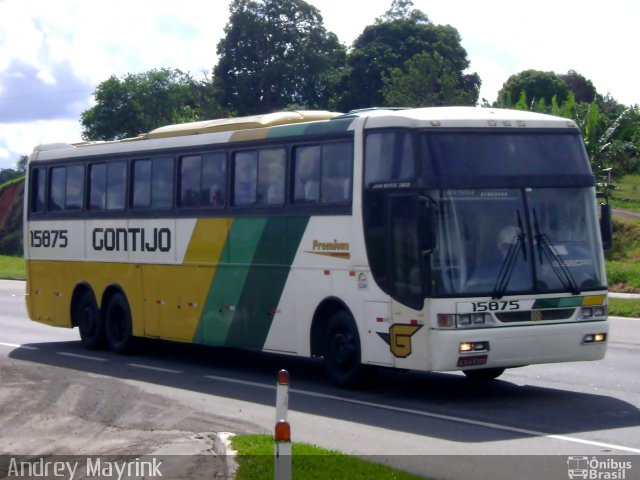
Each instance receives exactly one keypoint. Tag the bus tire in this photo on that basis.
(342, 353)
(89, 321)
(484, 374)
(118, 324)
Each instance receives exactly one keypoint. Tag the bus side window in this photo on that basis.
(57, 183)
(306, 176)
(190, 181)
(37, 190)
(162, 182)
(245, 178)
(116, 185)
(97, 186)
(271, 167)
(389, 156)
(141, 197)
(337, 172)
(74, 191)
(214, 179)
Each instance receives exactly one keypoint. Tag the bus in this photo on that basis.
(429, 239)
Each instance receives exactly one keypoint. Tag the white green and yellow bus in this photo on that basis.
(433, 239)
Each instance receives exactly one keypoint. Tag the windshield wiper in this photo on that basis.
(509, 262)
(558, 266)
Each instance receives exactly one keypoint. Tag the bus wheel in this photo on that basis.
(89, 322)
(484, 374)
(342, 352)
(118, 324)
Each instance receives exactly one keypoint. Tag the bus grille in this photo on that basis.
(536, 315)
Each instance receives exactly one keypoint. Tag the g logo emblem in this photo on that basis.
(400, 339)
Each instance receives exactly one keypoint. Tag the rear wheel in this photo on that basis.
(89, 321)
(342, 358)
(484, 374)
(118, 324)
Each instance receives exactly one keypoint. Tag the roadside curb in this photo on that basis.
(222, 448)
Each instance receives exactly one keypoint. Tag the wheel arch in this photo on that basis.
(325, 310)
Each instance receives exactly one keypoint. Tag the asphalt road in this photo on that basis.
(531, 420)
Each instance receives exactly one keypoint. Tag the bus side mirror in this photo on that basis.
(606, 226)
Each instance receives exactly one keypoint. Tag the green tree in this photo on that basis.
(427, 79)
(137, 103)
(21, 164)
(397, 37)
(582, 88)
(536, 84)
(277, 53)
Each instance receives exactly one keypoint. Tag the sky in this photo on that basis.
(54, 53)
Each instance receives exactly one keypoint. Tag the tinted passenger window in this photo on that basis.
(66, 188)
(153, 183)
(203, 180)
(323, 173)
(259, 177)
(389, 157)
(97, 186)
(74, 188)
(37, 190)
(116, 185)
(107, 186)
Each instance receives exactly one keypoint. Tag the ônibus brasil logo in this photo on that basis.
(597, 469)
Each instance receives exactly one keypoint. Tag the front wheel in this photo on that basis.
(342, 358)
(118, 324)
(484, 374)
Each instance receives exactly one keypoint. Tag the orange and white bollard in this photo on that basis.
(282, 395)
(282, 433)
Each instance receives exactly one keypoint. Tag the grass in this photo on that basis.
(308, 462)
(12, 267)
(622, 307)
(627, 192)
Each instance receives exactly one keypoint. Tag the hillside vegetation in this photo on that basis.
(11, 198)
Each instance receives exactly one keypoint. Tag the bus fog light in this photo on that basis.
(466, 347)
(594, 338)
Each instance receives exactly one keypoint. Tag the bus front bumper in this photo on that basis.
(517, 346)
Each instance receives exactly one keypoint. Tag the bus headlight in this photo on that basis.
(590, 313)
(464, 320)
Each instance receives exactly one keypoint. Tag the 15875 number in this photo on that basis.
(49, 238)
(495, 306)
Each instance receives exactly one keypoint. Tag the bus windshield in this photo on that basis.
(534, 240)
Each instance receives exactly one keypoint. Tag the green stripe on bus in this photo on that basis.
(265, 281)
(557, 302)
(319, 128)
(228, 282)
(249, 281)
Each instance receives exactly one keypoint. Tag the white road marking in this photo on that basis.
(450, 418)
(84, 357)
(155, 369)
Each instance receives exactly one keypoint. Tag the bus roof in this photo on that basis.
(297, 123)
(462, 117)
